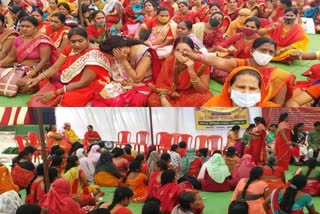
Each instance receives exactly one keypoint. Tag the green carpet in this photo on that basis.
(215, 202)
(297, 67)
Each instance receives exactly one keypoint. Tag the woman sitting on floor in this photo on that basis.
(214, 175)
(7, 36)
(169, 192)
(273, 175)
(23, 169)
(182, 81)
(190, 164)
(290, 200)
(289, 36)
(121, 199)
(163, 32)
(121, 163)
(155, 178)
(106, 173)
(85, 164)
(252, 190)
(78, 181)
(242, 170)
(58, 199)
(135, 65)
(313, 177)
(152, 160)
(94, 154)
(278, 83)
(243, 87)
(31, 190)
(188, 202)
(83, 68)
(32, 52)
(137, 181)
(6, 180)
(58, 31)
(40, 191)
(231, 159)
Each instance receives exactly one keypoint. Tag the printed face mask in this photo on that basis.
(245, 99)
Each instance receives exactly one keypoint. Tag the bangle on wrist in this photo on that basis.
(195, 82)
(31, 73)
(64, 88)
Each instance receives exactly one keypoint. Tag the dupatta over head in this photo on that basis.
(224, 99)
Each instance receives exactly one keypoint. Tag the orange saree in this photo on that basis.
(275, 79)
(139, 188)
(178, 87)
(6, 181)
(224, 100)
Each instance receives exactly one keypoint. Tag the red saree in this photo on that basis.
(275, 206)
(258, 144)
(201, 14)
(177, 86)
(72, 70)
(169, 196)
(191, 16)
(96, 34)
(57, 36)
(295, 34)
(282, 149)
(154, 184)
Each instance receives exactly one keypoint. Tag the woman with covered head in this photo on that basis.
(7, 36)
(135, 65)
(152, 160)
(106, 173)
(278, 83)
(214, 175)
(190, 164)
(252, 190)
(291, 199)
(236, 26)
(163, 32)
(58, 200)
(242, 169)
(182, 81)
(94, 154)
(85, 164)
(244, 87)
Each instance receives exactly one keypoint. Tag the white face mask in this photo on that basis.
(244, 99)
(261, 58)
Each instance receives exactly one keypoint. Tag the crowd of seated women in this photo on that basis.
(254, 171)
(152, 53)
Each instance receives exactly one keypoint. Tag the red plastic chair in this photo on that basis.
(175, 138)
(186, 138)
(201, 141)
(22, 141)
(166, 143)
(215, 142)
(123, 138)
(141, 140)
(160, 138)
(36, 143)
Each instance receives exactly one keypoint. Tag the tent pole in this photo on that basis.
(43, 150)
(151, 125)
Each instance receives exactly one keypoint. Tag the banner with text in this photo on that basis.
(208, 118)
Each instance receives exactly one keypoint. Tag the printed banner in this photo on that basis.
(209, 118)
